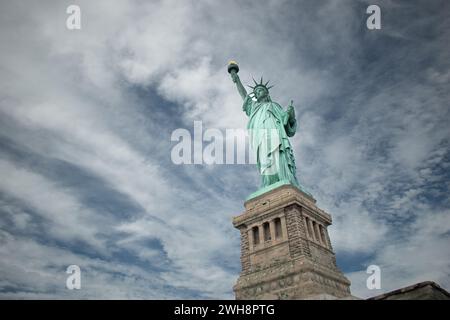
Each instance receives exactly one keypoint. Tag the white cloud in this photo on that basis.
(420, 256)
(38, 271)
(64, 217)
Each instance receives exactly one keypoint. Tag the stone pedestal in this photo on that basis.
(286, 252)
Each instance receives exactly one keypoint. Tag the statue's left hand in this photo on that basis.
(291, 111)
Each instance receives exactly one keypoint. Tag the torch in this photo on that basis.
(233, 69)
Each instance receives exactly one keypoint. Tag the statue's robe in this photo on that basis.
(269, 129)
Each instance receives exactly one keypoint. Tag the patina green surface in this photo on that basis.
(270, 127)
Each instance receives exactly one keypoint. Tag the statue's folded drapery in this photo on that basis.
(269, 128)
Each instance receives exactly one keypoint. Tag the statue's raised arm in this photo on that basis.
(233, 70)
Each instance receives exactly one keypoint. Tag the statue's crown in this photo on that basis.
(260, 84)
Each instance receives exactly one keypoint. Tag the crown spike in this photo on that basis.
(256, 83)
(261, 82)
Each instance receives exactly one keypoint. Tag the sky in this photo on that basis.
(86, 118)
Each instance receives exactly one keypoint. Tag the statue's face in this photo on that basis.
(260, 93)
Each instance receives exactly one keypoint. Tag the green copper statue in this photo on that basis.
(269, 129)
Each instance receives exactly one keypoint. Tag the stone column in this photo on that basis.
(306, 223)
(324, 235)
(311, 227)
(250, 238)
(260, 234)
(317, 231)
(283, 228)
(272, 229)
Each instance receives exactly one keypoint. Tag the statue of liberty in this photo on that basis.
(269, 129)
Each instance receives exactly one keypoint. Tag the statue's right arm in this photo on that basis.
(239, 86)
